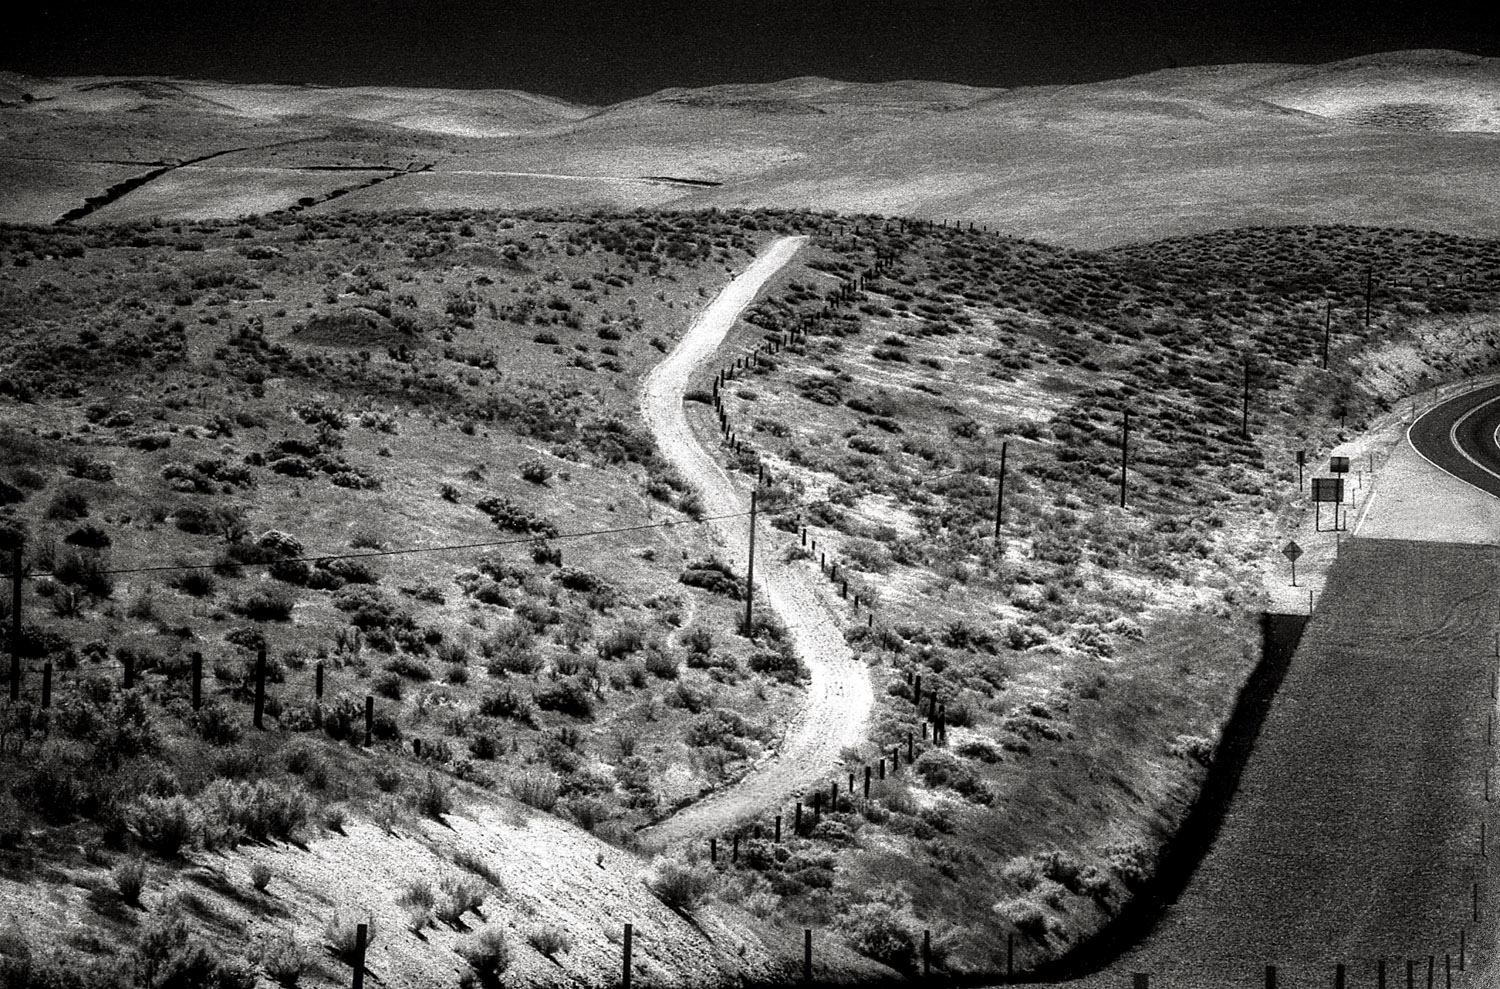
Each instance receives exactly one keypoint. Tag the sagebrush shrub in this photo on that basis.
(549, 940)
(488, 954)
(284, 959)
(537, 790)
(680, 886)
(340, 933)
(130, 879)
(165, 825)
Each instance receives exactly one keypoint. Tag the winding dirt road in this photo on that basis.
(839, 697)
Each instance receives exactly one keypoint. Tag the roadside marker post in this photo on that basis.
(1292, 551)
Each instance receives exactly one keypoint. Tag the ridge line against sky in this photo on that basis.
(604, 52)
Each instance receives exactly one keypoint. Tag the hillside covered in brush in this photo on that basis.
(400, 453)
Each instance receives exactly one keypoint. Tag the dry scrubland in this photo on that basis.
(1401, 139)
(259, 396)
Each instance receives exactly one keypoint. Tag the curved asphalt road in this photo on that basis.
(1459, 437)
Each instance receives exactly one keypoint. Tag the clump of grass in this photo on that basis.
(536, 790)
(284, 959)
(260, 876)
(130, 880)
(550, 940)
(471, 861)
(488, 954)
(334, 817)
(341, 934)
(434, 798)
(460, 896)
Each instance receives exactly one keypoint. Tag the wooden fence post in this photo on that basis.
(46, 685)
(778, 828)
(807, 955)
(713, 850)
(369, 717)
(361, 932)
(926, 953)
(625, 980)
(197, 680)
(867, 782)
(1270, 977)
(127, 660)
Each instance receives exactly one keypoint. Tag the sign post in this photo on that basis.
(1301, 463)
(1340, 467)
(1292, 551)
(1329, 489)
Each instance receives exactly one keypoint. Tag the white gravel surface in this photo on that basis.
(839, 696)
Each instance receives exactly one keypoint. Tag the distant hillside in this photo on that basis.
(1401, 138)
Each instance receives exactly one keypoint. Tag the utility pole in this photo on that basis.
(750, 571)
(15, 623)
(1124, 455)
(1000, 494)
(1327, 329)
(1245, 409)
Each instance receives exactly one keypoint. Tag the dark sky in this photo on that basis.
(605, 51)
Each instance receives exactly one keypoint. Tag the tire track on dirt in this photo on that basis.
(839, 696)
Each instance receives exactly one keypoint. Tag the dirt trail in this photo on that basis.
(839, 697)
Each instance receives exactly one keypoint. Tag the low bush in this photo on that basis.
(433, 797)
(340, 933)
(488, 954)
(549, 940)
(130, 880)
(539, 790)
(165, 825)
(680, 886)
(284, 959)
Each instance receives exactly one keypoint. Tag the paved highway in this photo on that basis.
(1459, 436)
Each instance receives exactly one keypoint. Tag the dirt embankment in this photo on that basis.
(839, 696)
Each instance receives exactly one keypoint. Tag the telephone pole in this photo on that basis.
(750, 571)
(1000, 494)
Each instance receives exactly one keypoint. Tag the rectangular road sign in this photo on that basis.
(1329, 489)
(1338, 465)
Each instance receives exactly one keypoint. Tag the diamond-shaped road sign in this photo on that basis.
(1291, 551)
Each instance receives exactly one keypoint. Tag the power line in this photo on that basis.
(416, 549)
